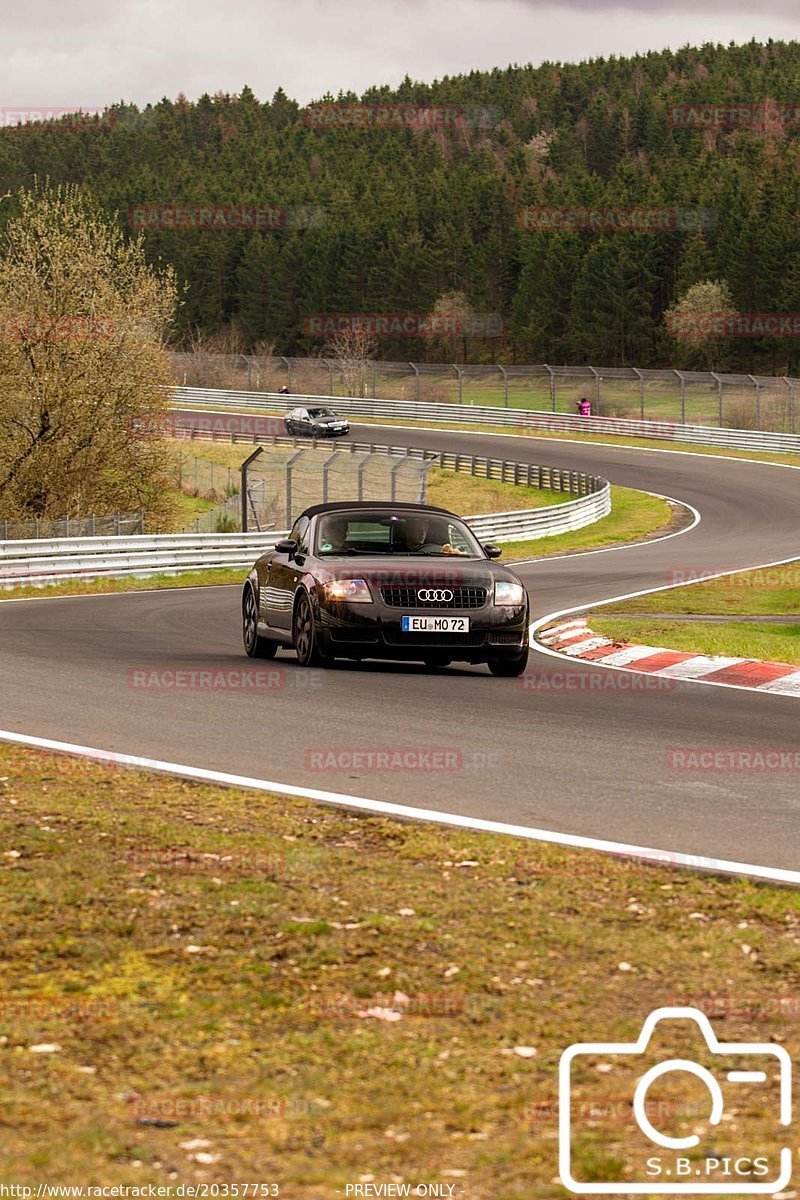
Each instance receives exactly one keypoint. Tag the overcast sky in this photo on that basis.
(87, 53)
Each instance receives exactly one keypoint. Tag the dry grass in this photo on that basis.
(247, 1049)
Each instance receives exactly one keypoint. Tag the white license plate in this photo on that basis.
(435, 624)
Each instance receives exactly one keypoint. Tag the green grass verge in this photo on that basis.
(198, 957)
(467, 494)
(738, 639)
(634, 516)
(771, 591)
(102, 587)
(190, 507)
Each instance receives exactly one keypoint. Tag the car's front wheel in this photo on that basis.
(304, 636)
(509, 668)
(255, 645)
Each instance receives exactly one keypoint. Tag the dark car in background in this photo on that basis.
(390, 581)
(317, 421)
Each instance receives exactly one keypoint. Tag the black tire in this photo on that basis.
(304, 636)
(255, 646)
(509, 668)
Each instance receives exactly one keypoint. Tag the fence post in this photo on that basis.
(552, 387)
(757, 386)
(243, 470)
(393, 476)
(326, 466)
(640, 377)
(505, 386)
(792, 403)
(289, 470)
(718, 382)
(415, 369)
(362, 466)
(683, 396)
(596, 374)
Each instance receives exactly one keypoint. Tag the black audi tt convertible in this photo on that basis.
(385, 580)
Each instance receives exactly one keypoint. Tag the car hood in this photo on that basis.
(328, 421)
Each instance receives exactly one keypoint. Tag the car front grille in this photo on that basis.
(408, 597)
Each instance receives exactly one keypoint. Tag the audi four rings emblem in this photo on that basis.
(435, 595)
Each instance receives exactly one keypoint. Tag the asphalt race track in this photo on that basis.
(589, 759)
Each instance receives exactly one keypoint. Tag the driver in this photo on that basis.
(416, 534)
(420, 538)
(334, 539)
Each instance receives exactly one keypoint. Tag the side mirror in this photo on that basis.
(287, 546)
(493, 551)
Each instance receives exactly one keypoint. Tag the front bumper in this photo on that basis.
(375, 631)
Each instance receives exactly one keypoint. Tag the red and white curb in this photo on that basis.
(576, 640)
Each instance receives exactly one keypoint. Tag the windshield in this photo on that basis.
(423, 534)
(321, 412)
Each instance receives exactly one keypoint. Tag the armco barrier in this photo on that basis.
(510, 418)
(44, 561)
(54, 560)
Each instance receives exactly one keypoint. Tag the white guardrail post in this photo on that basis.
(513, 418)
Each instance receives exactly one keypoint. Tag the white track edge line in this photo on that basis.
(341, 799)
(652, 541)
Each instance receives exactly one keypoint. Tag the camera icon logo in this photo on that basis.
(659, 1102)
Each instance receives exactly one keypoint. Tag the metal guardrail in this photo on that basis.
(713, 397)
(529, 524)
(517, 418)
(54, 560)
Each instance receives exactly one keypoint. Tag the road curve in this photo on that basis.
(584, 756)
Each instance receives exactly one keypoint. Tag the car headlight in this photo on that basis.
(508, 593)
(354, 591)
